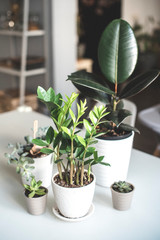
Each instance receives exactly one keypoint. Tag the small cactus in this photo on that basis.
(122, 187)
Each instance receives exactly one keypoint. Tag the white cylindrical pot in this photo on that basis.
(43, 168)
(73, 202)
(36, 205)
(117, 153)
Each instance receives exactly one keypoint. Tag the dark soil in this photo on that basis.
(63, 183)
(115, 132)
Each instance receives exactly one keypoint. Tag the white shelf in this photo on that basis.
(20, 33)
(24, 35)
(26, 73)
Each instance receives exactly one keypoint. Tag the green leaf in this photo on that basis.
(72, 115)
(81, 140)
(46, 150)
(50, 95)
(128, 128)
(67, 131)
(57, 140)
(50, 135)
(31, 195)
(117, 51)
(92, 117)
(139, 83)
(87, 125)
(41, 93)
(86, 89)
(39, 142)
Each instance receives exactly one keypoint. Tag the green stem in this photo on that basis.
(71, 164)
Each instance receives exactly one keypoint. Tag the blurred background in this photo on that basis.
(43, 41)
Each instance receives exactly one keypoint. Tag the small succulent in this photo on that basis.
(21, 155)
(122, 187)
(35, 188)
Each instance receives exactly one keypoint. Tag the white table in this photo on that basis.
(141, 222)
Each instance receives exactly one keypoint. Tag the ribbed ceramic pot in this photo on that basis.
(116, 152)
(36, 205)
(43, 168)
(122, 201)
(73, 202)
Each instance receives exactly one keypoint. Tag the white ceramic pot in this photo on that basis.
(117, 153)
(43, 170)
(73, 202)
(122, 201)
(36, 206)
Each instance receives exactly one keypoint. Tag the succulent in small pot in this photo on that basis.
(36, 197)
(122, 194)
(79, 152)
(29, 158)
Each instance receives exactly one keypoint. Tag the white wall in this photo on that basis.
(64, 44)
(140, 10)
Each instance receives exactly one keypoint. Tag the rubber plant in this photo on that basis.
(66, 138)
(117, 56)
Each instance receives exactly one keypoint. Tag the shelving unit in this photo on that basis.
(25, 35)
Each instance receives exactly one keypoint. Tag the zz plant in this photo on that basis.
(117, 56)
(66, 138)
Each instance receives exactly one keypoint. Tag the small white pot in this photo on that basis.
(117, 153)
(43, 168)
(36, 206)
(73, 202)
(122, 201)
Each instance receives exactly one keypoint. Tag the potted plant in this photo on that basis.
(73, 185)
(117, 56)
(28, 158)
(36, 197)
(122, 193)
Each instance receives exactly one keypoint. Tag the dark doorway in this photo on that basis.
(94, 16)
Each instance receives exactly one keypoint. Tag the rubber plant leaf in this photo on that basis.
(139, 83)
(91, 85)
(117, 51)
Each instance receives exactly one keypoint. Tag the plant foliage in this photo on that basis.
(117, 56)
(66, 137)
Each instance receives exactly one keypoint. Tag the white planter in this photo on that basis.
(117, 153)
(73, 202)
(36, 206)
(42, 171)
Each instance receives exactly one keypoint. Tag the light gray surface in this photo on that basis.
(141, 222)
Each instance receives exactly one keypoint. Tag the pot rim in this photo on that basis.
(116, 138)
(80, 187)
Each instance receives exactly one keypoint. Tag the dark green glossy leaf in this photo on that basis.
(57, 140)
(117, 51)
(118, 116)
(128, 128)
(90, 85)
(139, 83)
(49, 135)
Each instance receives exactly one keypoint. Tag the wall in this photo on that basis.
(64, 43)
(140, 10)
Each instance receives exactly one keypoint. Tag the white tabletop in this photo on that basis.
(141, 222)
